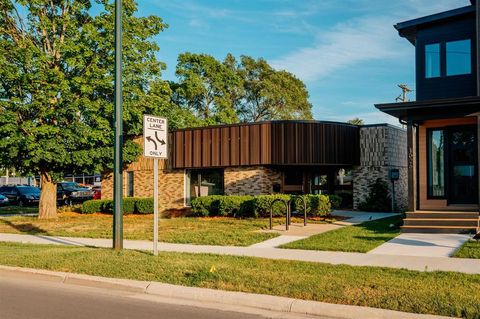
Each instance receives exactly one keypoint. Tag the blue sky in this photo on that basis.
(346, 51)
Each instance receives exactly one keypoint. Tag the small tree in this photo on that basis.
(378, 199)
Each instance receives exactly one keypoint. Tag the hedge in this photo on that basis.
(131, 205)
(336, 201)
(255, 206)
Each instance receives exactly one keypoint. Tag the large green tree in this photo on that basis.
(56, 87)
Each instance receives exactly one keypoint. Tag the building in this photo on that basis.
(443, 124)
(295, 157)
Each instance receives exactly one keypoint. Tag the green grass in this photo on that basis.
(440, 293)
(359, 238)
(471, 249)
(202, 231)
(17, 210)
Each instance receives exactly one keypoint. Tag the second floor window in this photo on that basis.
(459, 57)
(432, 60)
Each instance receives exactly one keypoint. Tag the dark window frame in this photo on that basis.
(443, 59)
(198, 181)
(429, 162)
(130, 184)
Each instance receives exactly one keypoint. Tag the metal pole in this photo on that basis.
(155, 206)
(271, 217)
(393, 196)
(118, 143)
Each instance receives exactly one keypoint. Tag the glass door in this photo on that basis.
(463, 170)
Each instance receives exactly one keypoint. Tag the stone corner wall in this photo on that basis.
(382, 148)
(255, 180)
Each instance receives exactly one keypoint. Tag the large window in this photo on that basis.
(432, 60)
(203, 183)
(436, 163)
(459, 57)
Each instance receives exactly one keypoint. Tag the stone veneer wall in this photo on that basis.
(382, 147)
(255, 180)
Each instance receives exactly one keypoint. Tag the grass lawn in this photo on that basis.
(202, 231)
(359, 238)
(17, 210)
(471, 249)
(441, 293)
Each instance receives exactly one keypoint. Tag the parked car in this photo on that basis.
(3, 200)
(21, 195)
(97, 192)
(69, 193)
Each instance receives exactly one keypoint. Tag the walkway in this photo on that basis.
(471, 266)
(429, 245)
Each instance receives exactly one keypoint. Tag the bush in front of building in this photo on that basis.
(378, 199)
(205, 205)
(144, 205)
(319, 205)
(95, 206)
(234, 206)
(262, 203)
(336, 201)
(347, 199)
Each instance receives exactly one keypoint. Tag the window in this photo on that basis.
(436, 163)
(130, 184)
(459, 58)
(432, 60)
(203, 183)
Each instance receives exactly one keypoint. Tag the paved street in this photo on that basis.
(22, 298)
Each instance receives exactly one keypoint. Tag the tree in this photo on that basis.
(205, 86)
(56, 87)
(271, 94)
(356, 121)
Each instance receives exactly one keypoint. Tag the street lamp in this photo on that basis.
(118, 143)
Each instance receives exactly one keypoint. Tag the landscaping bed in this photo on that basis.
(439, 293)
(358, 238)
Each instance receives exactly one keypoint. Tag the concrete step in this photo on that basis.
(467, 222)
(439, 229)
(443, 215)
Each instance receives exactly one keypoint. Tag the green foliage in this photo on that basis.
(356, 121)
(262, 204)
(336, 201)
(347, 199)
(94, 206)
(235, 206)
(378, 199)
(131, 205)
(205, 205)
(319, 205)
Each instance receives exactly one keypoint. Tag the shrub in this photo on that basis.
(336, 201)
(144, 206)
(262, 203)
(129, 205)
(205, 205)
(347, 199)
(378, 199)
(319, 205)
(94, 206)
(232, 205)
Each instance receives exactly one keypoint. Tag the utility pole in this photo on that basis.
(405, 90)
(118, 139)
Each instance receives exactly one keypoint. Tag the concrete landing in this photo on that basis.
(423, 245)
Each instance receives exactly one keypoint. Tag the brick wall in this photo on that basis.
(256, 180)
(382, 147)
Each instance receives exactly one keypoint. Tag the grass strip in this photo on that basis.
(358, 238)
(440, 293)
(471, 249)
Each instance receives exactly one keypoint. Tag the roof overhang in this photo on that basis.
(408, 29)
(433, 109)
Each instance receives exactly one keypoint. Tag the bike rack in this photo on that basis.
(288, 213)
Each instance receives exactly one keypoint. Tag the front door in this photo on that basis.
(463, 170)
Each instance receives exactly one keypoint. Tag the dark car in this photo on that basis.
(69, 193)
(21, 195)
(3, 200)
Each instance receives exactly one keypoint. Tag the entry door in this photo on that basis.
(463, 170)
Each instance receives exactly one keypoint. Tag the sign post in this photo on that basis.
(155, 145)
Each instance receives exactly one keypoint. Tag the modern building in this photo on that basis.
(294, 157)
(443, 124)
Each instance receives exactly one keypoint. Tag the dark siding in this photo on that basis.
(446, 86)
(270, 143)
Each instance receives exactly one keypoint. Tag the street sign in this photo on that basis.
(155, 136)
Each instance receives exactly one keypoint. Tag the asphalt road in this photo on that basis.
(26, 298)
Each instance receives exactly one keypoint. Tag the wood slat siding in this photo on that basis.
(268, 143)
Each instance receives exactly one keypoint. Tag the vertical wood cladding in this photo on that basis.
(267, 143)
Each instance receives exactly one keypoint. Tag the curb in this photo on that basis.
(230, 298)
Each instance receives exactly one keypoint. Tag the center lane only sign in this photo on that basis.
(155, 136)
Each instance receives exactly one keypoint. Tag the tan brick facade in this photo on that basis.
(257, 180)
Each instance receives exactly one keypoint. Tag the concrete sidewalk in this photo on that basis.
(469, 266)
(211, 298)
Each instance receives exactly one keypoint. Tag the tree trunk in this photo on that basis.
(48, 198)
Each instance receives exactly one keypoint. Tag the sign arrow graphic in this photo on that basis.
(162, 142)
(150, 139)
